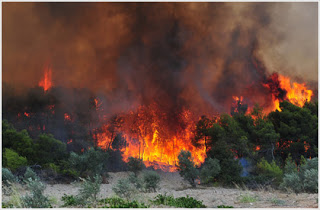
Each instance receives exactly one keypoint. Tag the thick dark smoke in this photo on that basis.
(193, 55)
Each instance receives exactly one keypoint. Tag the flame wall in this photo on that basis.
(181, 57)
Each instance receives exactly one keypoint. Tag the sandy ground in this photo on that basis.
(173, 184)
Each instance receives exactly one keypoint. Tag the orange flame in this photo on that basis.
(257, 148)
(297, 94)
(27, 114)
(46, 82)
(149, 138)
(67, 117)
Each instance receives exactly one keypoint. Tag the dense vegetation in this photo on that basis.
(280, 148)
(262, 141)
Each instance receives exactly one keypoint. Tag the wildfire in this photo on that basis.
(27, 114)
(46, 82)
(282, 89)
(297, 94)
(67, 117)
(149, 137)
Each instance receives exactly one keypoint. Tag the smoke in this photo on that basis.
(196, 55)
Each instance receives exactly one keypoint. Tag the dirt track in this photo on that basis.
(173, 184)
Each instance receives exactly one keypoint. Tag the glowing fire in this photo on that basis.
(46, 82)
(67, 117)
(296, 94)
(27, 114)
(149, 137)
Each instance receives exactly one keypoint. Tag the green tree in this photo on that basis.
(47, 144)
(298, 129)
(266, 137)
(270, 171)
(210, 170)
(18, 141)
(13, 159)
(91, 162)
(202, 132)
(135, 165)
(186, 167)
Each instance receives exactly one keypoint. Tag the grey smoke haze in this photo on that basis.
(137, 53)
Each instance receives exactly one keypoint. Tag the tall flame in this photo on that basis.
(282, 89)
(46, 81)
(149, 138)
(297, 94)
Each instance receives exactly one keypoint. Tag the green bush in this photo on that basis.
(290, 166)
(181, 202)
(210, 170)
(310, 183)
(17, 141)
(69, 200)
(270, 170)
(15, 200)
(135, 165)
(247, 199)
(8, 177)
(88, 192)
(91, 162)
(292, 181)
(30, 174)
(223, 206)
(186, 167)
(124, 189)
(136, 181)
(47, 144)
(13, 159)
(53, 167)
(120, 203)
(302, 179)
(35, 199)
(151, 181)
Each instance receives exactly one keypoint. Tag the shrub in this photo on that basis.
(186, 167)
(35, 199)
(69, 200)
(135, 165)
(136, 181)
(88, 192)
(291, 181)
(210, 170)
(53, 167)
(17, 141)
(120, 203)
(15, 197)
(8, 177)
(277, 202)
(151, 180)
(223, 206)
(91, 162)
(124, 189)
(13, 159)
(247, 199)
(290, 166)
(310, 183)
(304, 179)
(47, 144)
(270, 170)
(30, 174)
(181, 202)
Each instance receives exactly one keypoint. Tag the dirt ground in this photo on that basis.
(173, 184)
